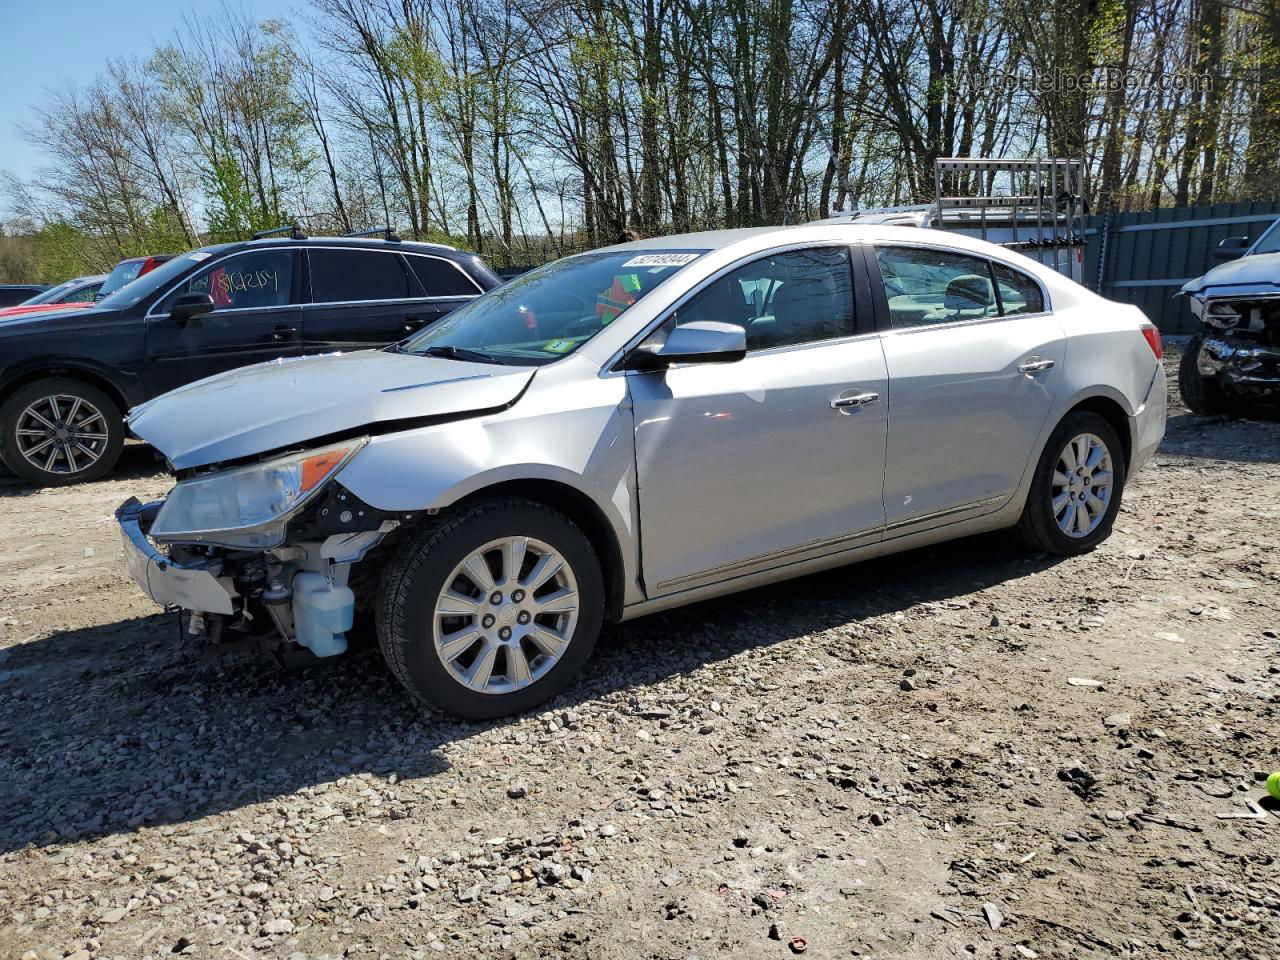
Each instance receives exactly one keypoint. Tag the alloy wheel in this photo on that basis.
(506, 615)
(1082, 485)
(61, 434)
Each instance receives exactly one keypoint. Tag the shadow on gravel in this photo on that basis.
(108, 729)
(136, 460)
(1255, 439)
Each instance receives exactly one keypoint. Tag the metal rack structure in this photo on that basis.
(1035, 206)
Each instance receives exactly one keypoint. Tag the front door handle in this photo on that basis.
(283, 331)
(847, 402)
(414, 323)
(1034, 365)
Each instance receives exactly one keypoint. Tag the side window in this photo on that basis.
(800, 296)
(1018, 292)
(933, 286)
(440, 278)
(250, 280)
(342, 276)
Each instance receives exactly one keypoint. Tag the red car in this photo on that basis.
(129, 270)
(85, 291)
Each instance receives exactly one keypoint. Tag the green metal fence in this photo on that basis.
(1144, 258)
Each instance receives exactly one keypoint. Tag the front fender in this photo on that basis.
(587, 447)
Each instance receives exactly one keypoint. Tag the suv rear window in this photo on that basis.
(440, 278)
(344, 276)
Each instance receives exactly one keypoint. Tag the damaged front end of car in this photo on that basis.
(1235, 360)
(262, 552)
(1241, 345)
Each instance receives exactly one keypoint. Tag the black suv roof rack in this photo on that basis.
(387, 233)
(294, 231)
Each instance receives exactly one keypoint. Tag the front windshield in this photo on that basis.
(53, 293)
(149, 283)
(1269, 242)
(552, 311)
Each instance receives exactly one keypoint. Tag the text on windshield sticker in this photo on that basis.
(662, 260)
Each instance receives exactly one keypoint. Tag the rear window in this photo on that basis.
(343, 276)
(125, 271)
(1018, 292)
(440, 278)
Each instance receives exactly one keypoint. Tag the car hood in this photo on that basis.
(281, 403)
(1258, 275)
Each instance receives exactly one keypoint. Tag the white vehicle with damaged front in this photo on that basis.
(637, 428)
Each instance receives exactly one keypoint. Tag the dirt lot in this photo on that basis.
(963, 751)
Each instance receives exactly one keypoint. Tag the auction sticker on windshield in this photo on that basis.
(662, 260)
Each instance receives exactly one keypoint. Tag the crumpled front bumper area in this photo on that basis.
(191, 585)
(1240, 362)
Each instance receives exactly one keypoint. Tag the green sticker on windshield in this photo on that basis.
(558, 346)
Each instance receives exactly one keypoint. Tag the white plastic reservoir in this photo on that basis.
(322, 613)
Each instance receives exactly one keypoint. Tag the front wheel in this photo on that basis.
(1075, 492)
(1202, 394)
(493, 611)
(60, 431)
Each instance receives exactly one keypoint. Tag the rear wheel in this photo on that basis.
(60, 431)
(493, 611)
(1202, 394)
(1075, 492)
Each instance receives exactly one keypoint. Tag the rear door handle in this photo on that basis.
(414, 322)
(1034, 365)
(846, 402)
(283, 331)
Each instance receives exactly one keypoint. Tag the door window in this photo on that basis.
(345, 276)
(1018, 292)
(800, 296)
(926, 286)
(440, 278)
(246, 281)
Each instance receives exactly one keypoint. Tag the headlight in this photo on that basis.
(239, 501)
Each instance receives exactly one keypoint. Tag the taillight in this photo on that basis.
(1153, 339)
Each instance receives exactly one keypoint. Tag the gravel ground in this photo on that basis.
(961, 751)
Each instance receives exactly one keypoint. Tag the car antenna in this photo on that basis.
(294, 231)
(387, 233)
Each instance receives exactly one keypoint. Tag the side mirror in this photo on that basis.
(188, 306)
(703, 341)
(1232, 248)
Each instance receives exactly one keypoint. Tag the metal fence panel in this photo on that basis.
(1144, 258)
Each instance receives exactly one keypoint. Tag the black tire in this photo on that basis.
(1202, 395)
(415, 578)
(1038, 526)
(107, 429)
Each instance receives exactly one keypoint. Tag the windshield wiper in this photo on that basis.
(450, 352)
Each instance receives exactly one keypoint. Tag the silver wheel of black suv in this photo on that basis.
(60, 431)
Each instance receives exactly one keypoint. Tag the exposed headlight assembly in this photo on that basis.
(249, 506)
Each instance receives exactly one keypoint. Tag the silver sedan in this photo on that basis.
(637, 428)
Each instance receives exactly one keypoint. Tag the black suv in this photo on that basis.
(66, 377)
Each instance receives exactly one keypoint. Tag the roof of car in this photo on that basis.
(764, 237)
(373, 243)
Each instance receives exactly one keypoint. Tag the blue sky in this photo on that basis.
(50, 44)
